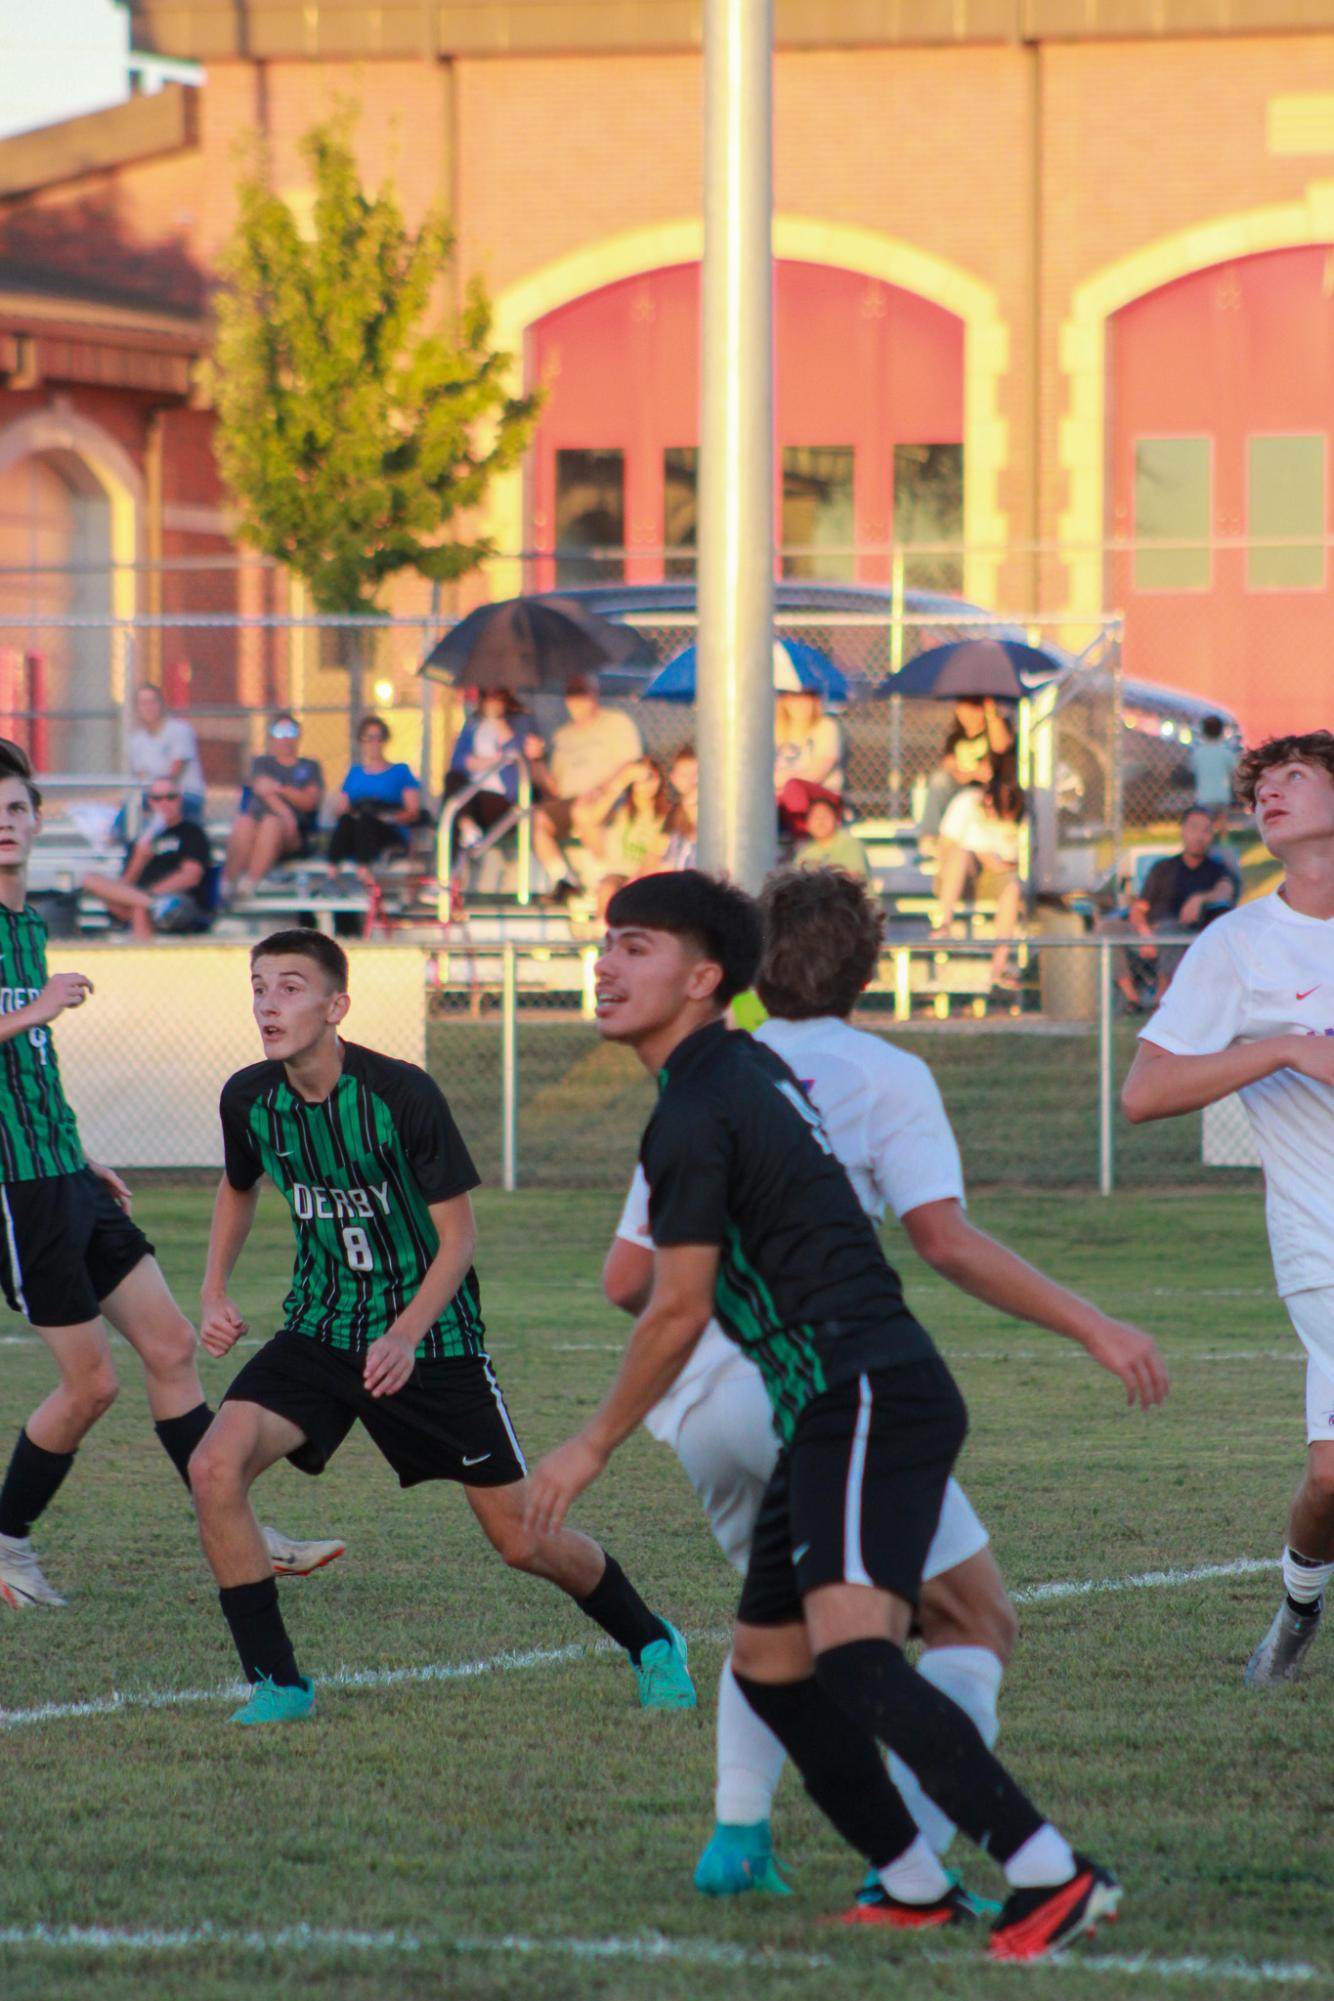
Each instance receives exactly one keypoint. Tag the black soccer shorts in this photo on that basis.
(855, 1497)
(65, 1245)
(448, 1422)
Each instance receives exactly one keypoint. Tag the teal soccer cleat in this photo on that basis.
(276, 1702)
(664, 1680)
(740, 1858)
(969, 1902)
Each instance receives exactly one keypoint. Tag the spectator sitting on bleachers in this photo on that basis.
(683, 819)
(163, 746)
(980, 833)
(498, 724)
(161, 887)
(378, 805)
(279, 808)
(582, 779)
(1182, 892)
(634, 840)
(831, 845)
(978, 748)
(1212, 763)
(808, 755)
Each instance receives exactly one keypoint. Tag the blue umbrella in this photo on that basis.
(971, 669)
(798, 669)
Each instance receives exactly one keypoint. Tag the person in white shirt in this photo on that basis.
(1251, 1010)
(163, 746)
(579, 784)
(886, 1123)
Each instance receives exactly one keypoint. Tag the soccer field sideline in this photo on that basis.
(534, 1657)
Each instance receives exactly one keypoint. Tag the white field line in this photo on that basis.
(540, 1657)
(647, 1949)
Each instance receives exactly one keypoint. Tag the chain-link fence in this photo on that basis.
(1030, 1071)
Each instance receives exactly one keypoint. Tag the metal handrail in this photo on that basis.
(520, 815)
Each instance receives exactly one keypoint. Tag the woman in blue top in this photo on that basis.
(378, 803)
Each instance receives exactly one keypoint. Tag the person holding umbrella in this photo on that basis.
(981, 738)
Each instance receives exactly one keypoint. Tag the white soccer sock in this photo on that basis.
(970, 1676)
(750, 1757)
(1045, 1858)
(1303, 1580)
(915, 1877)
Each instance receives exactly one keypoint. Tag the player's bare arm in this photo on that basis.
(627, 1275)
(390, 1359)
(1162, 1084)
(62, 990)
(661, 1343)
(944, 1238)
(221, 1323)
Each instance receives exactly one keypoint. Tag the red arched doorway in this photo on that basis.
(869, 427)
(1222, 409)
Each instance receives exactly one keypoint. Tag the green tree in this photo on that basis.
(354, 422)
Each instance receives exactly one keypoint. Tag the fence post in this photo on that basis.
(1106, 1071)
(509, 1071)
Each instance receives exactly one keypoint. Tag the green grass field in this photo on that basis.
(525, 1831)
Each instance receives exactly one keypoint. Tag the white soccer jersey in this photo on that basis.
(886, 1123)
(1260, 971)
(881, 1109)
(713, 1352)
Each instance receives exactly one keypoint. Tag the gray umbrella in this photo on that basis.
(530, 643)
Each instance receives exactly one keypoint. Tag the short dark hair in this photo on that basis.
(822, 936)
(1212, 727)
(1316, 747)
(712, 913)
(1191, 811)
(326, 953)
(15, 763)
(373, 722)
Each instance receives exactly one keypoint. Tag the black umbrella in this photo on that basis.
(529, 643)
(971, 669)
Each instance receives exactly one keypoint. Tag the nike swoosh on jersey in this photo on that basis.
(1309, 991)
(799, 1552)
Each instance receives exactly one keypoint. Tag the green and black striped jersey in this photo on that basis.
(38, 1133)
(735, 1156)
(358, 1171)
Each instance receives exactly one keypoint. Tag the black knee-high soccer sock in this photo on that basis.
(840, 1765)
(938, 1741)
(179, 1436)
(617, 1607)
(30, 1485)
(251, 1610)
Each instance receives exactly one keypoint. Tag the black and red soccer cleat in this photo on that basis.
(1034, 1923)
(875, 1906)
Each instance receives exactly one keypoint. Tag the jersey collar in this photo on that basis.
(698, 1043)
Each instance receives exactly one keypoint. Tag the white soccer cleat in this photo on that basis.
(21, 1580)
(1282, 1651)
(297, 1559)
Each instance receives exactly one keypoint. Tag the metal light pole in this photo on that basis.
(735, 570)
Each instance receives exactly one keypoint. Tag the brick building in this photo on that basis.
(1051, 274)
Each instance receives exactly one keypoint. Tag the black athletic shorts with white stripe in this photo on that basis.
(855, 1497)
(65, 1245)
(448, 1422)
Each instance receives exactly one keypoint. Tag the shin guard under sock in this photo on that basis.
(30, 1485)
(840, 1765)
(251, 1611)
(179, 1436)
(872, 1682)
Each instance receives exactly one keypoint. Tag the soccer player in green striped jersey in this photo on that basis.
(70, 1256)
(382, 1323)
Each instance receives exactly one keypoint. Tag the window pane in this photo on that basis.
(590, 514)
(817, 511)
(1285, 494)
(1172, 504)
(928, 507)
(680, 482)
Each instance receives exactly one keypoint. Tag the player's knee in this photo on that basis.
(94, 1396)
(517, 1546)
(215, 1476)
(173, 1350)
(1320, 1479)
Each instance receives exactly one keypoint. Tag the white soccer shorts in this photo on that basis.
(1312, 1314)
(726, 1444)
